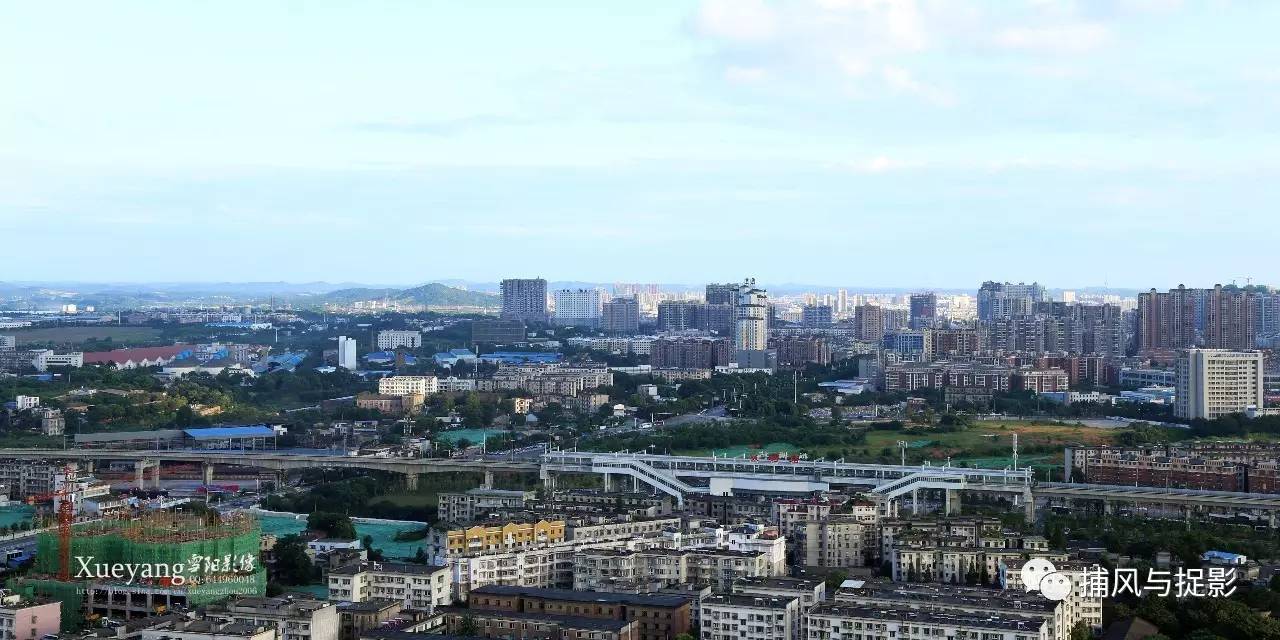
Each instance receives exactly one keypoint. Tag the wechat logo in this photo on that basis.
(1040, 575)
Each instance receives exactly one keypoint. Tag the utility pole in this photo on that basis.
(902, 446)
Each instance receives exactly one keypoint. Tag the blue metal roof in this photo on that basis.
(253, 431)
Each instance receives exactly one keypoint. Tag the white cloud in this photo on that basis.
(739, 20)
(902, 80)
(1061, 38)
(881, 164)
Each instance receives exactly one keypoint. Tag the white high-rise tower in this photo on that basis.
(751, 327)
(347, 353)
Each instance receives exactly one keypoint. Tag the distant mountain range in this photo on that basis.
(430, 295)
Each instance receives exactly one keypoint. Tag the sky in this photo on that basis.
(1129, 143)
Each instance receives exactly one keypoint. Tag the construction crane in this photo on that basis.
(64, 498)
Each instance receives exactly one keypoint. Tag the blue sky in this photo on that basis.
(838, 142)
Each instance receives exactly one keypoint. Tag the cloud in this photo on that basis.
(902, 80)
(738, 20)
(1063, 38)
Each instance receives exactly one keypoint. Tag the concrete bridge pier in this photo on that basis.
(140, 469)
(488, 480)
(915, 502)
(155, 474)
(549, 481)
(1029, 505)
(207, 473)
(608, 483)
(951, 501)
(411, 481)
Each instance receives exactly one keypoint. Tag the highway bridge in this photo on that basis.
(680, 476)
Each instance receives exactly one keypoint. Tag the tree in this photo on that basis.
(334, 525)
(467, 626)
(293, 567)
(1081, 631)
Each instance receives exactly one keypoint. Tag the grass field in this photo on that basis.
(122, 336)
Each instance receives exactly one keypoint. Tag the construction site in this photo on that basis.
(127, 568)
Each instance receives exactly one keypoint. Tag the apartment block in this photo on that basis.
(391, 339)
(1212, 383)
(417, 586)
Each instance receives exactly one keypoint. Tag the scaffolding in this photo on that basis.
(216, 558)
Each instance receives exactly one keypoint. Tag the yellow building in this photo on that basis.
(507, 537)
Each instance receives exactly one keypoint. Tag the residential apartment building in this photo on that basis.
(417, 586)
(749, 617)
(472, 504)
(868, 323)
(391, 339)
(408, 385)
(578, 307)
(751, 325)
(690, 353)
(658, 617)
(621, 316)
(512, 625)
(293, 618)
(524, 299)
(839, 621)
(498, 538)
(26, 619)
(1212, 383)
(816, 316)
(798, 351)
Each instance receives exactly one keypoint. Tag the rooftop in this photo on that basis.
(1026, 624)
(757, 602)
(582, 596)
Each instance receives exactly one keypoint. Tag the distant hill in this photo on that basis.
(431, 295)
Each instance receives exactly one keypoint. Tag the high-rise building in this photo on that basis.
(347, 353)
(751, 329)
(868, 322)
(1002, 300)
(621, 316)
(842, 302)
(924, 310)
(580, 307)
(524, 299)
(722, 294)
(814, 316)
(1217, 318)
(895, 318)
(1212, 383)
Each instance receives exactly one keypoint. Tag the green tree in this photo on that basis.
(334, 525)
(293, 566)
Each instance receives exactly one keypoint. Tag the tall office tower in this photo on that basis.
(816, 316)
(868, 322)
(751, 330)
(347, 353)
(524, 299)
(1001, 300)
(621, 316)
(1212, 383)
(1218, 318)
(924, 310)
(722, 294)
(579, 307)
(842, 302)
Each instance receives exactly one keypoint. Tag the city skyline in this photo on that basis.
(805, 138)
